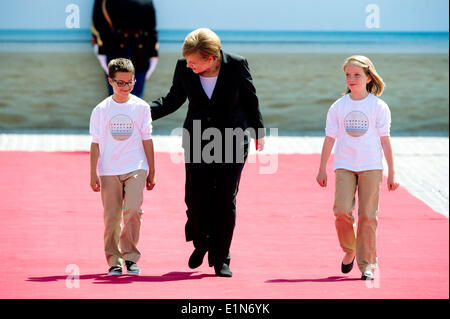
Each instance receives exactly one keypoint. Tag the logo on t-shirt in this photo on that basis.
(121, 127)
(356, 123)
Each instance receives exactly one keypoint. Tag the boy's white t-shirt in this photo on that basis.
(119, 129)
(357, 126)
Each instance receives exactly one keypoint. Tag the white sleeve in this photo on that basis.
(332, 124)
(383, 124)
(146, 124)
(152, 65)
(94, 126)
(102, 59)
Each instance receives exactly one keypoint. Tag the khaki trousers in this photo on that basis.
(122, 195)
(367, 183)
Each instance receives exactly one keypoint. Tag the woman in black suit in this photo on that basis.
(223, 111)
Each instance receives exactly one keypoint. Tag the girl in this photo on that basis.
(360, 122)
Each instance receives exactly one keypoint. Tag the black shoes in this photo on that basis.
(222, 270)
(132, 268)
(115, 271)
(347, 268)
(366, 275)
(196, 258)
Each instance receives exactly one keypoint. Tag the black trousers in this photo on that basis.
(210, 196)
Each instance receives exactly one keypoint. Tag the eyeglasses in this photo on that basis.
(123, 83)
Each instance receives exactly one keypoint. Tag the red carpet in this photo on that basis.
(285, 245)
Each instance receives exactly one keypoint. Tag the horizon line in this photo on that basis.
(250, 30)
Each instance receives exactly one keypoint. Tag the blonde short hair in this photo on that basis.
(202, 41)
(376, 86)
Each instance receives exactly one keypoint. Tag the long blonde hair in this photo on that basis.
(203, 41)
(376, 85)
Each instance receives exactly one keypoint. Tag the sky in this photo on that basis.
(298, 15)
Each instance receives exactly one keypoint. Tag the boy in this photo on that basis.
(122, 148)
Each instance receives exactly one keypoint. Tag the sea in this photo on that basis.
(272, 41)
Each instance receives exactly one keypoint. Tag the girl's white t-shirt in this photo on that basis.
(119, 129)
(357, 126)
(208, 84)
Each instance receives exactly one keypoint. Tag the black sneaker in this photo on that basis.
(132, 268)
(367, 275)
(115, 271)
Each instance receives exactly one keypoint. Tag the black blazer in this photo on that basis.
(233, 104)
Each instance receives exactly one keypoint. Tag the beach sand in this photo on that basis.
(59, 89)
